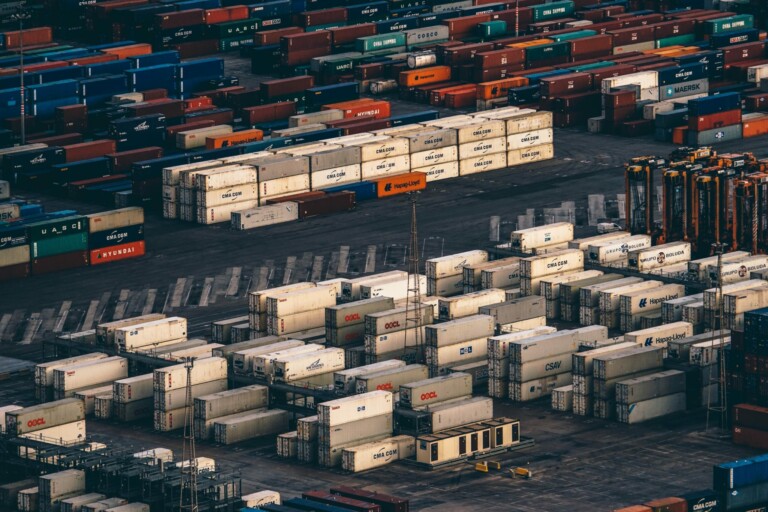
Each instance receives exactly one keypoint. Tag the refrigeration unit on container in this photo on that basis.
(459, 330)
(231, 402)
(345, 380)
(263, 365)
(242, 360)
(303, 366)
(468, 304)
(44, 371)
(392, 320)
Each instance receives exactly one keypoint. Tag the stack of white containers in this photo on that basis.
(227, 404)
(288, 445)
(535, 268)
(529, 134)
(644, 398)
(713, 300)
(263, 364)
(352, 421)
(498, 358)
(223, 190)
(44, 373)
(482, 144)
(457, 342)
(615, 253)
(107, 504)
(105, 333)
(172, 184)
(542, 239)
(614, 367)
(333, 165)
(392, 379)
(345, 381)
(345, 323)
(445, 275)
(637, 305)
(550, 289)
(610, 312)
(315, 368)
(380, 155)
(351, 289)
(542, 363)
(461, 306)
(582, 376)
(208, 376)
(505, 275)
(54, 487)
(61, 422)
(243, 360)
(647, 81)
(88, 396)
(434, 152)
(437, 390)
(306, 445)
(76, 503)
(298, 310)
(153, 334)
(589, 298)
(103, 406)
(280, 175)
(68, 380)
(257, 305)
(386, 336)
(735, 304)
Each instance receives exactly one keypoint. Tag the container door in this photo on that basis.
(462, 445)
(515, 432)
(486, 439)
(499, 436)
(473, 443)
(433, 452)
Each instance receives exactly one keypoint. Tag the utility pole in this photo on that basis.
(22, 15)
(517, 18)
(718, 405)
(413, 315)
(188, 495)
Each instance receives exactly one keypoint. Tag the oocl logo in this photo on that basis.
(384, 387)
(391, 325)
(353, 316)
(36, 422)
(429, 395)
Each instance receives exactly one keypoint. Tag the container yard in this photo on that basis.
(578, 310)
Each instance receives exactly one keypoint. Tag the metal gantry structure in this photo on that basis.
(188, 497)
(414, 341)
(717, 407)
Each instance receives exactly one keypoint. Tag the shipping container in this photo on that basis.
(617, 250)
(175, 377)
(250, 426)
(302, 366)
(68, 379)
(150, 333)
(435, 390)
(460, 330)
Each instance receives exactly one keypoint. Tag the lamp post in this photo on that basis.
(21, 16)
(517, 18)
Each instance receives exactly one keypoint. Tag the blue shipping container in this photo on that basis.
(363, 190)
(317, 96)
(33, 160)
(149, 169)
(54, 75)
(198, 4)
(155, 59)
(152, 77)
(213, 154)
(82, 170)
(52, 91)
(684, 73)
(365, 13)
(414, 117)
(12, 236)
(117, 236)
(731, 38)
(108, 68)
(31, 209)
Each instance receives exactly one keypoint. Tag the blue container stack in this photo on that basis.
(742, 483)
(138, 132)
(42, 99)
(192, 74)
(161, 76)
(95, 91)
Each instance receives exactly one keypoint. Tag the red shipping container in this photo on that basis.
(374, 109)
(437, 97)
(369, 71)
(465, 54)
(273, 36)
(465, 24)
(198, 103)
(118, 252)
(645, 20)
(238, 12)
(301, 57)
(712, 121)
(306, 41)
(322, 17)
(14, 124)
(461, 99)
(522, 20)
(171, 131)
(346, 35)
(18, 271)
(498, 58)
(154, 94)
(297, 197)
(88, 150)
(194, 49)
(92, 59)
(59, 262)
(626, 36)
(219, 15)
(272, 88)
(180, 19)
(269, 113)
(612, 71)
(565, 84)
(498, 73)
(674, 28)
(594, 15)
(218, 96)
(224, 116)
(619, 99)
(754, 128)
(592, 45)
(750, 437)
(121, 162)
(742, 52)
(131, 50)
(751, 416)
(327, 204)
(668, 505)
(58, 140)
(30, 37)
(166, 106)
(366, 125)
(341, 123)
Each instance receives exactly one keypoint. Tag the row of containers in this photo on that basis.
(378, 164)
(33, 242)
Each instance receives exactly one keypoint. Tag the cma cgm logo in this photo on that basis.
(385, 454)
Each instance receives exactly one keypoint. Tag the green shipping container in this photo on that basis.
(57, 227)
(573, 35)
(682, 40)
(731, 24)
(380, 42)
(234, 43)
(236, 28)
(553, 10)
(547, 51)
(60, 245)
(490, 29)
(339, 66)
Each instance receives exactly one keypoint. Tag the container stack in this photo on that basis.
(445, 275)
(230, 430)
(660, 336)
(736, 270)
(392, 379)
(714, 119)
(741, 484)
(243, 361)
(352, 421)
(750, 426)
(550, 289)
(351, 289)
(44, 373)
(482, 144)
(151, 334)
(28, 499)
(378, 453)
(76, 503)
(642, 305)
(539, 364)
(298, 310)
(428, 392)
(651, 396)
(387, 334)
(570, 295)
(345, 381)
(610, 301)
(55, 487)
(263, 365)
(529, 135)
(588, 297)
(133, 398)
(287, 445)
(615, 253)
(58, 244)
(543, 239)
(116, 235)
(230, 404)
(614, 367)
(583, 376)
(61, 422)
(517, 314)
(473, 274)
(257, 305)
(713, 300)
(208, 376)
(504, 275)
(345, 323)
(306, 446)
(659, 258)
(498, 358)
(313, 368)
(222, 190)
(535, 268)
(103, 406)
(68, 380)
(461, 306)
(457, 342)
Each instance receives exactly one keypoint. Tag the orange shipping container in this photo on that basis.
(679, 134)
(437, 97)
(32, 36)
(400, 183)
(529, 44)
(499, 88)
(199, 103)
(238, 12)
(233, 139)
(132, 50)
(218, 15)
(117, 252)
(755, 127)
(369, 108)
(425, 76)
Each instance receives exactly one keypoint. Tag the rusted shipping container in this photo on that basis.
(88, 150)
(327, 204)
